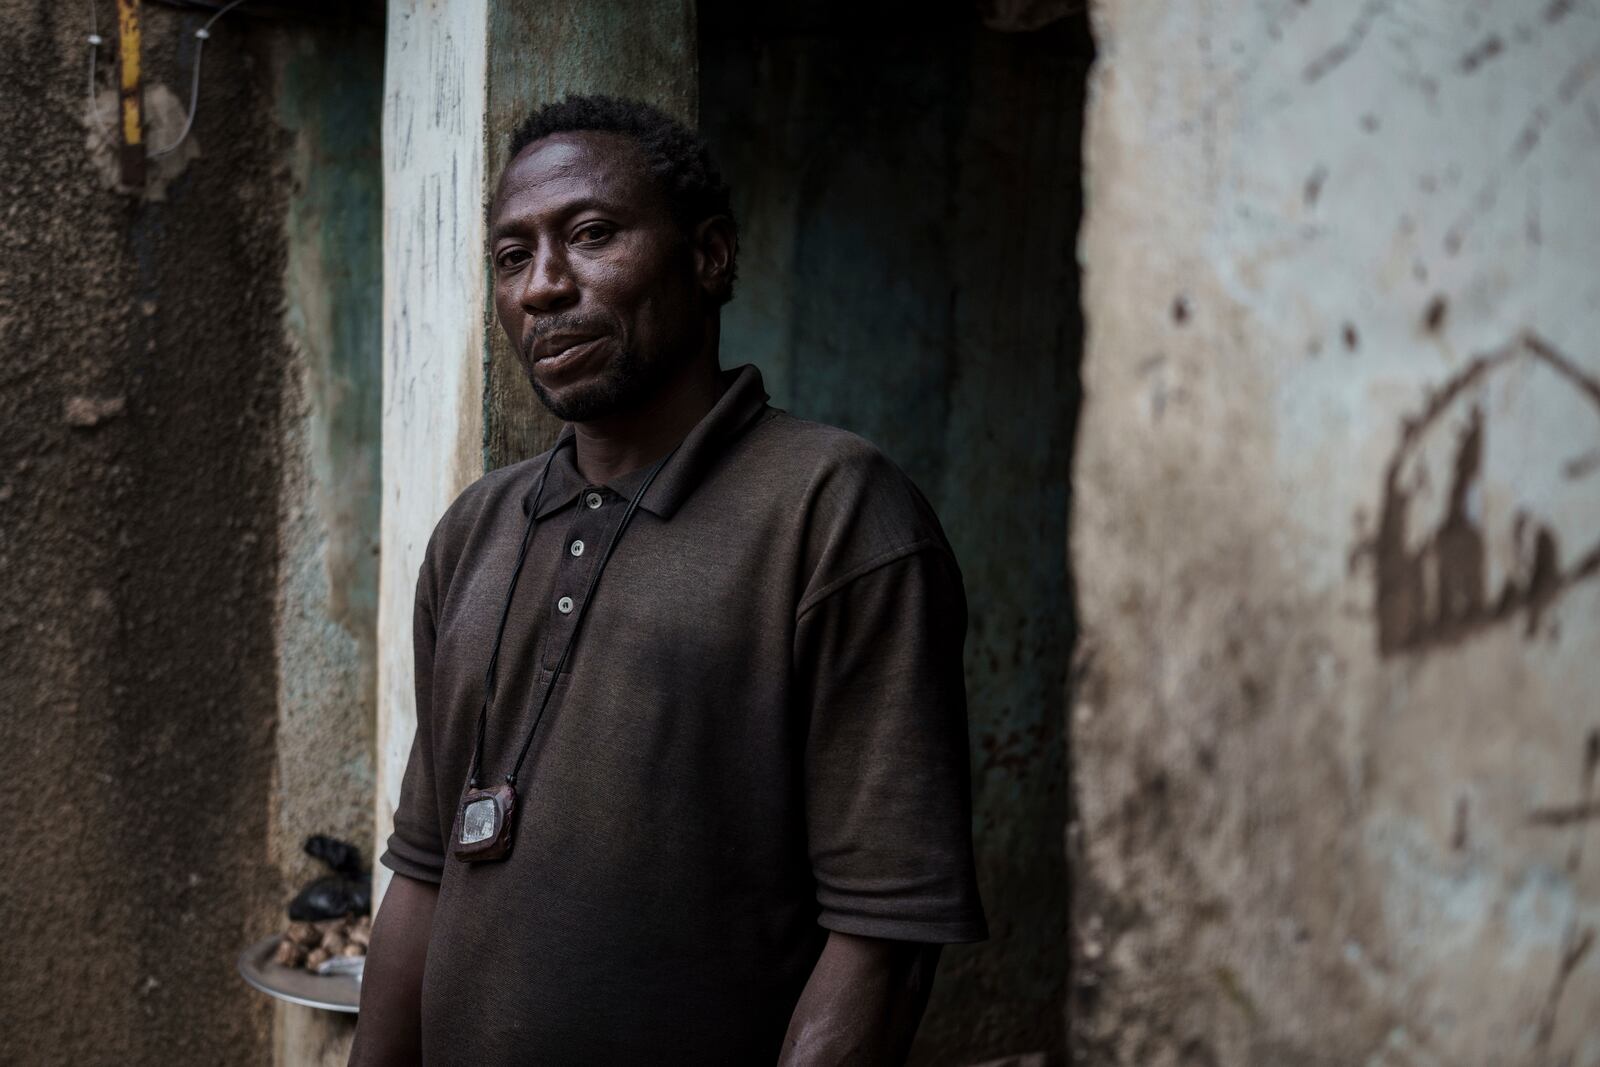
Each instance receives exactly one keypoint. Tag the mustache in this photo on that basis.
(565, 322)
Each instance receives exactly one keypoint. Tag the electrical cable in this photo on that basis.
(95, 41)
(201, 35)
(475, 768)
(577, 623)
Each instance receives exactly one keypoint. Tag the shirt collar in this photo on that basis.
(744, 397)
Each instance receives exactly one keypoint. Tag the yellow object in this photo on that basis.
(128, 35)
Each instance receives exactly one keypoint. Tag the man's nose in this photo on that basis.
(550, 285)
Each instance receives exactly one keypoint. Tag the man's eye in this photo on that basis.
(511, 259)
(591, 233)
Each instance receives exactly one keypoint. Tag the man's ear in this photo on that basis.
(716, 247)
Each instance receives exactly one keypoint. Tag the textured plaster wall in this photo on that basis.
(1336, 535)
(907, 187)
(142, 368)
(188, 383)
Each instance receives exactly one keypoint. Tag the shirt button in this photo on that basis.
(564, 605)
(593, 500)
(577, 548)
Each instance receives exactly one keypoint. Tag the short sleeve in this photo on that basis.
(888, 788)
(415, 849)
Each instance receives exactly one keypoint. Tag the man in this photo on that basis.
(710, 802)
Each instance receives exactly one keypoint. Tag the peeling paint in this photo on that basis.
(435, 80)
(330, 100)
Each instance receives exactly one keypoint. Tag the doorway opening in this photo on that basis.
(907, 181)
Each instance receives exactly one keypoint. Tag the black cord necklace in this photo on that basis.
(484, 821)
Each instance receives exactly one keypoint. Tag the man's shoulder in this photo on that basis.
(815, 452)
(854, 502)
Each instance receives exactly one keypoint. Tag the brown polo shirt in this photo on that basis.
(760, 736)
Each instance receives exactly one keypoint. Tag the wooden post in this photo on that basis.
(131, 93)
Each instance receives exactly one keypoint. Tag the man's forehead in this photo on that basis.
(579, 165)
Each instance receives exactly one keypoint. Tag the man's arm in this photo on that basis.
(389, 1029)
(862, 1003)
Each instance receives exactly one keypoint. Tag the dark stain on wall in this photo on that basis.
(1433, 317)
(1355, 35)
(1577, 939)
(1481, 53)
(1314, 183)
(1557, 10)
(1433, 590)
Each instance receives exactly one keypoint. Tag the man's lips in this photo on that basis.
(562, 347)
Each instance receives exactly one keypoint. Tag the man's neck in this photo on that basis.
(610, 448)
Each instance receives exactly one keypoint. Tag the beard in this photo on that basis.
(625, 383)
(617, 388)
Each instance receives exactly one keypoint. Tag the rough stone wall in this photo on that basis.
(142, 358)
(1336, 536)
(187, 510)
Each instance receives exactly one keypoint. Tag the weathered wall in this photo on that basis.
(457, 81)
(143, 366)
(185, 526)
(1336, 534)
(435, 66)
(907, 187)
(329, 97)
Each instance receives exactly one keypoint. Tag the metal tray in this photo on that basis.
(332, 992)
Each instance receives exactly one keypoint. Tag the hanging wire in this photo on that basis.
(95, 41)
(200, 37)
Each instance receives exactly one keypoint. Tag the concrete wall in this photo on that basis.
(181, 594)
(1336, 535)
(907, 187)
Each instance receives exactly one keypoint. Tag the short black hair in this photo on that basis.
(678, 158)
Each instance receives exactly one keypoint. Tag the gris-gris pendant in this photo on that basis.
(484, 823)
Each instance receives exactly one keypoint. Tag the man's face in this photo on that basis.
(594, 281)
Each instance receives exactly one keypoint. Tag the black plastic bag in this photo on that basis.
(347, 891)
